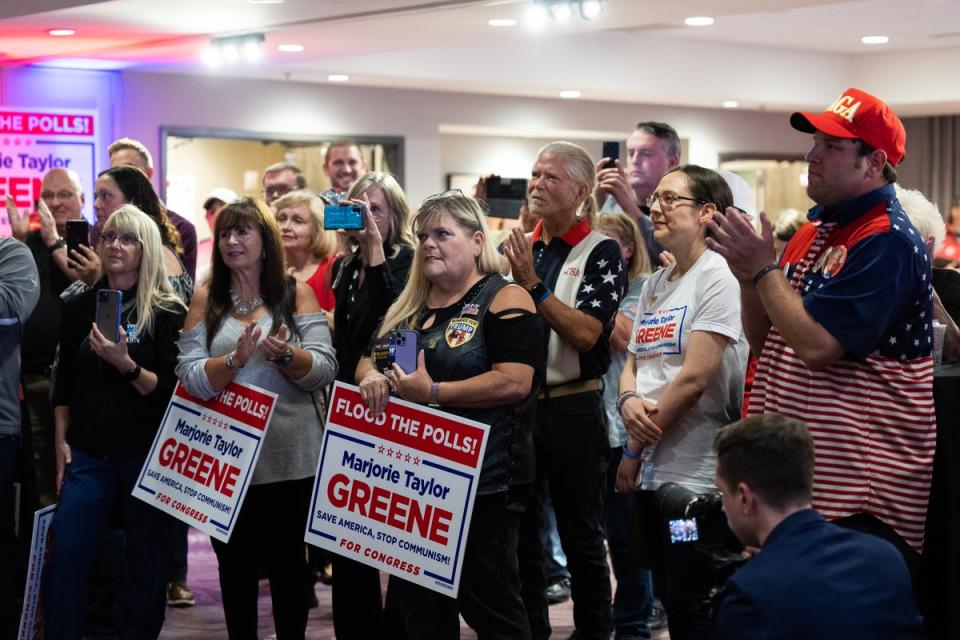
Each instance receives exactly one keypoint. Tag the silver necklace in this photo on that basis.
(244, 307)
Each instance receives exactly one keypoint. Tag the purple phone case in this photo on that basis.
(406, 355)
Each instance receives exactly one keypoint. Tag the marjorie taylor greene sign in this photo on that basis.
(204, 454)
(396, 491)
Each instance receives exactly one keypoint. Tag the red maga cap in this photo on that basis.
(857, 114)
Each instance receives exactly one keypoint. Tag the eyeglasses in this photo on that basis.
(126, 239)
(50, 196)
(277, 190)
(669, 200)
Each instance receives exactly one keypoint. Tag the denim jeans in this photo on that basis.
(633, 598)
(96, 493)
(572, 454)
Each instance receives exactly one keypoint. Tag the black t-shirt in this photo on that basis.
(42, 330)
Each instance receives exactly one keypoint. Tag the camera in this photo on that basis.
(697, 521)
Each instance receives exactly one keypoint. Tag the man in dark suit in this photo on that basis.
(808, 578)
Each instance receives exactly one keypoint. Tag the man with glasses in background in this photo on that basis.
(281, 178)
(61, 199)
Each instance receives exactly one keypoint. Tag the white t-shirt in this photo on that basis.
(706, 298)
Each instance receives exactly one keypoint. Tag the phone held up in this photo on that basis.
(344, 216)
(108, 313)
(78, 233)
(402, 349)
(611, 150)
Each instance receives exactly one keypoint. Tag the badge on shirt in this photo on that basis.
(831, 261)
(471, 310)
(460, 331)
(132, 336)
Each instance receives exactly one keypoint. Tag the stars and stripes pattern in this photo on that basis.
(872, 422)
(603, 284)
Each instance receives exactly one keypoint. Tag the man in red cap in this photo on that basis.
(842, 324)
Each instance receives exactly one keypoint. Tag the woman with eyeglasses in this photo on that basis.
(253, 324)
(366, 281)
(481, 343)
(116, 187)
(110, 394)
(683, 381)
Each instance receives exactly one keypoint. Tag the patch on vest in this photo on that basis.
(831, 261)
(460, 331)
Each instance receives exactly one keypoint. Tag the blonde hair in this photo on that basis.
(397, 203)
(154, 290)
(627, 230)
(579, 164)
(467, 214)
(324, 241)
(924, 215)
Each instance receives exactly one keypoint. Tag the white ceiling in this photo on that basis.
(776, 55)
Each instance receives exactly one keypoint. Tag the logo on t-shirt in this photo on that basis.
(658, 333)
(460, 331)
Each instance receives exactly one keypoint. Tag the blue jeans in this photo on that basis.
(633, 598)
(95, 495)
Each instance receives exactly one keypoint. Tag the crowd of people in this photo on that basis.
(641, 334)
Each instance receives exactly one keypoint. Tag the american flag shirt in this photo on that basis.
(864, 274)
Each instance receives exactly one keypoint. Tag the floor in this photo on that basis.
(206, 619)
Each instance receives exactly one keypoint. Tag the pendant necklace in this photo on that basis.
(244, 307)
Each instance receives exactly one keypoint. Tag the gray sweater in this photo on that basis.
(19, 292)
(292, 446)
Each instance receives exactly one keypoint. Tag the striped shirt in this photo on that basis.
(864, 275)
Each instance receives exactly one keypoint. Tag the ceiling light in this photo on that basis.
(338, 77)
(591, 9)
(536, 17)
(698, 21)
(874, 39)
(502, 22)
(61, 32)
(570, 94)
(561, 11)
(230, 49)
(730, 104)
(266, 1)
(290, 48)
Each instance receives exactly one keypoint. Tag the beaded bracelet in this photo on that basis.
(626, 395)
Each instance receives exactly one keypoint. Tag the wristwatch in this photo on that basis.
(285, 359)
(132, 375)
(60, 242)
(539, 292)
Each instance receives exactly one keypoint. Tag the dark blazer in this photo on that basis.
(813, 579)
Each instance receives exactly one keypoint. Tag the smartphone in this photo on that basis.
(108, 313)
(611, 149)
(78, 233)
(505, 195)
(403, 350)
(683, 530)
(344, 216)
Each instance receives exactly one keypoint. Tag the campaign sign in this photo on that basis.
(34, 141)
(202, 459)
(396, 491)
(31, 617)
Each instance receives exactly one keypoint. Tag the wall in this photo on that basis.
(155, 100)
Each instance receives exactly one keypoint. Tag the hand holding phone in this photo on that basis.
(78, 233)
(108, 313)
(402, 349)
(611, 151)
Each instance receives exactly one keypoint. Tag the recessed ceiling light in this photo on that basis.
(338, 77)
(730, 104)
(61, 32)
(874, 39)
(591, 9)
(290, 48)
(502, 22)
(698, 21)
(561, 12)
(266, 1)
(570, 94)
